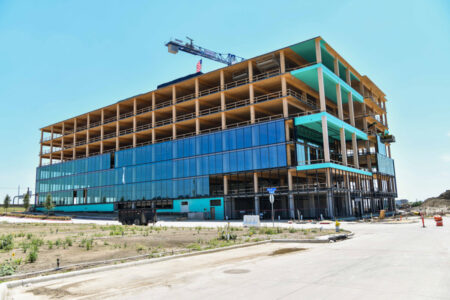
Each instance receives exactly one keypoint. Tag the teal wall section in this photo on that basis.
(333, 166)
(195, 205)
(198, 205)
(103, 207)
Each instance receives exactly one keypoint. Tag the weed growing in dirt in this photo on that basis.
(140, 248)
(68, 241)
(8, 267)
(32, 255)
(194, 247)
(6, 242)
(50, 245)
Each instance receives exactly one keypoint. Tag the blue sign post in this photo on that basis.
(272, 199)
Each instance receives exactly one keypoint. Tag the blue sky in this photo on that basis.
(59, 59)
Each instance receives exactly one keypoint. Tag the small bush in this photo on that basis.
(140, 248)
(33, 255)
(69, 241)
(6, 242)
(8, 267)
(50, 245)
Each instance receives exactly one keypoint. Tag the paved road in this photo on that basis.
(383, 261)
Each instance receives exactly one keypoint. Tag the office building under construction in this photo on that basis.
(300, 119)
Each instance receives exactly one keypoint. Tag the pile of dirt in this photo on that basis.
(443, 200)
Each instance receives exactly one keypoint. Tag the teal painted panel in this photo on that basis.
(198, 205)
(334, 124)
(333, 166)
(306, 49)
(103, 207)
(309, 76)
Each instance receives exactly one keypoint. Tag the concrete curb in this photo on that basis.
(12, 284)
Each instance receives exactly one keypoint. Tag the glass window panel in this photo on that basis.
(247, 137)
(273, 157)
(264, 158)
(255, 135)
(272, 133)
(263, 134)
(218, 141)
(282, 160)
(256, 158)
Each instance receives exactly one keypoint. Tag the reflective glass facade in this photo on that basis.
(169, 170)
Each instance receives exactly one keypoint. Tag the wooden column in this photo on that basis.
(343, 146)
(348, 77)
(102, 130)
(355, 150)
(74, 138)
(351, 109)
(174, 112)
(88, 126)
(222, 80)
(323, 105)
(62, 140)
(336, 66)
(284, 94)
(318, 52)
(117, 127)
(225, 185)
(326, 146)
(252, 100)
(40, 151)
(339, 101)
(134, 121)
(282, 62)
(51, 146)
(197, 114)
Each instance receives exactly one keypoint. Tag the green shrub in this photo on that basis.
(6, 242)
(69, 241)
(33, 255)
(8, 267)
(37, 242)
(50, 245)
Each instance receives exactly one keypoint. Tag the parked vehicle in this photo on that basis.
(135, 212)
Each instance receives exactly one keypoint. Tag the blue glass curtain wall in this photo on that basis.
(175, 169)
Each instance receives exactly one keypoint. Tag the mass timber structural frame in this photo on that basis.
(336, 160)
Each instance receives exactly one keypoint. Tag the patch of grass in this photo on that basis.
(194, 247)
(140, 247)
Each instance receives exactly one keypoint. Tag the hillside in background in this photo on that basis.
(443, 200)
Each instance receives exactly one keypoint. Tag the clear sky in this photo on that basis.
(59, 59)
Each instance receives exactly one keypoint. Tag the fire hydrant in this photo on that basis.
(337, 226)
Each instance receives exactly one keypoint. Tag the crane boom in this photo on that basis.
(176, 45)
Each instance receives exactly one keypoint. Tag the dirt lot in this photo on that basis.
(77, 243)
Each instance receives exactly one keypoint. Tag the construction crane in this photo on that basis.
(176, 45)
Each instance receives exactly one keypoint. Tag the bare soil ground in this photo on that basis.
(80, 243)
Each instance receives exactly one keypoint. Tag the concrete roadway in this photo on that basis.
(382, 261)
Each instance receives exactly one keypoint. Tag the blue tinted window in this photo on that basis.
(247, 137)
(273, 157)
(264, 158)
(263, 134)
(255, 136)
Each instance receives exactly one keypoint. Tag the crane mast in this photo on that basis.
(176, 45)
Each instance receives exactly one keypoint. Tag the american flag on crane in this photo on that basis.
(199, 66)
